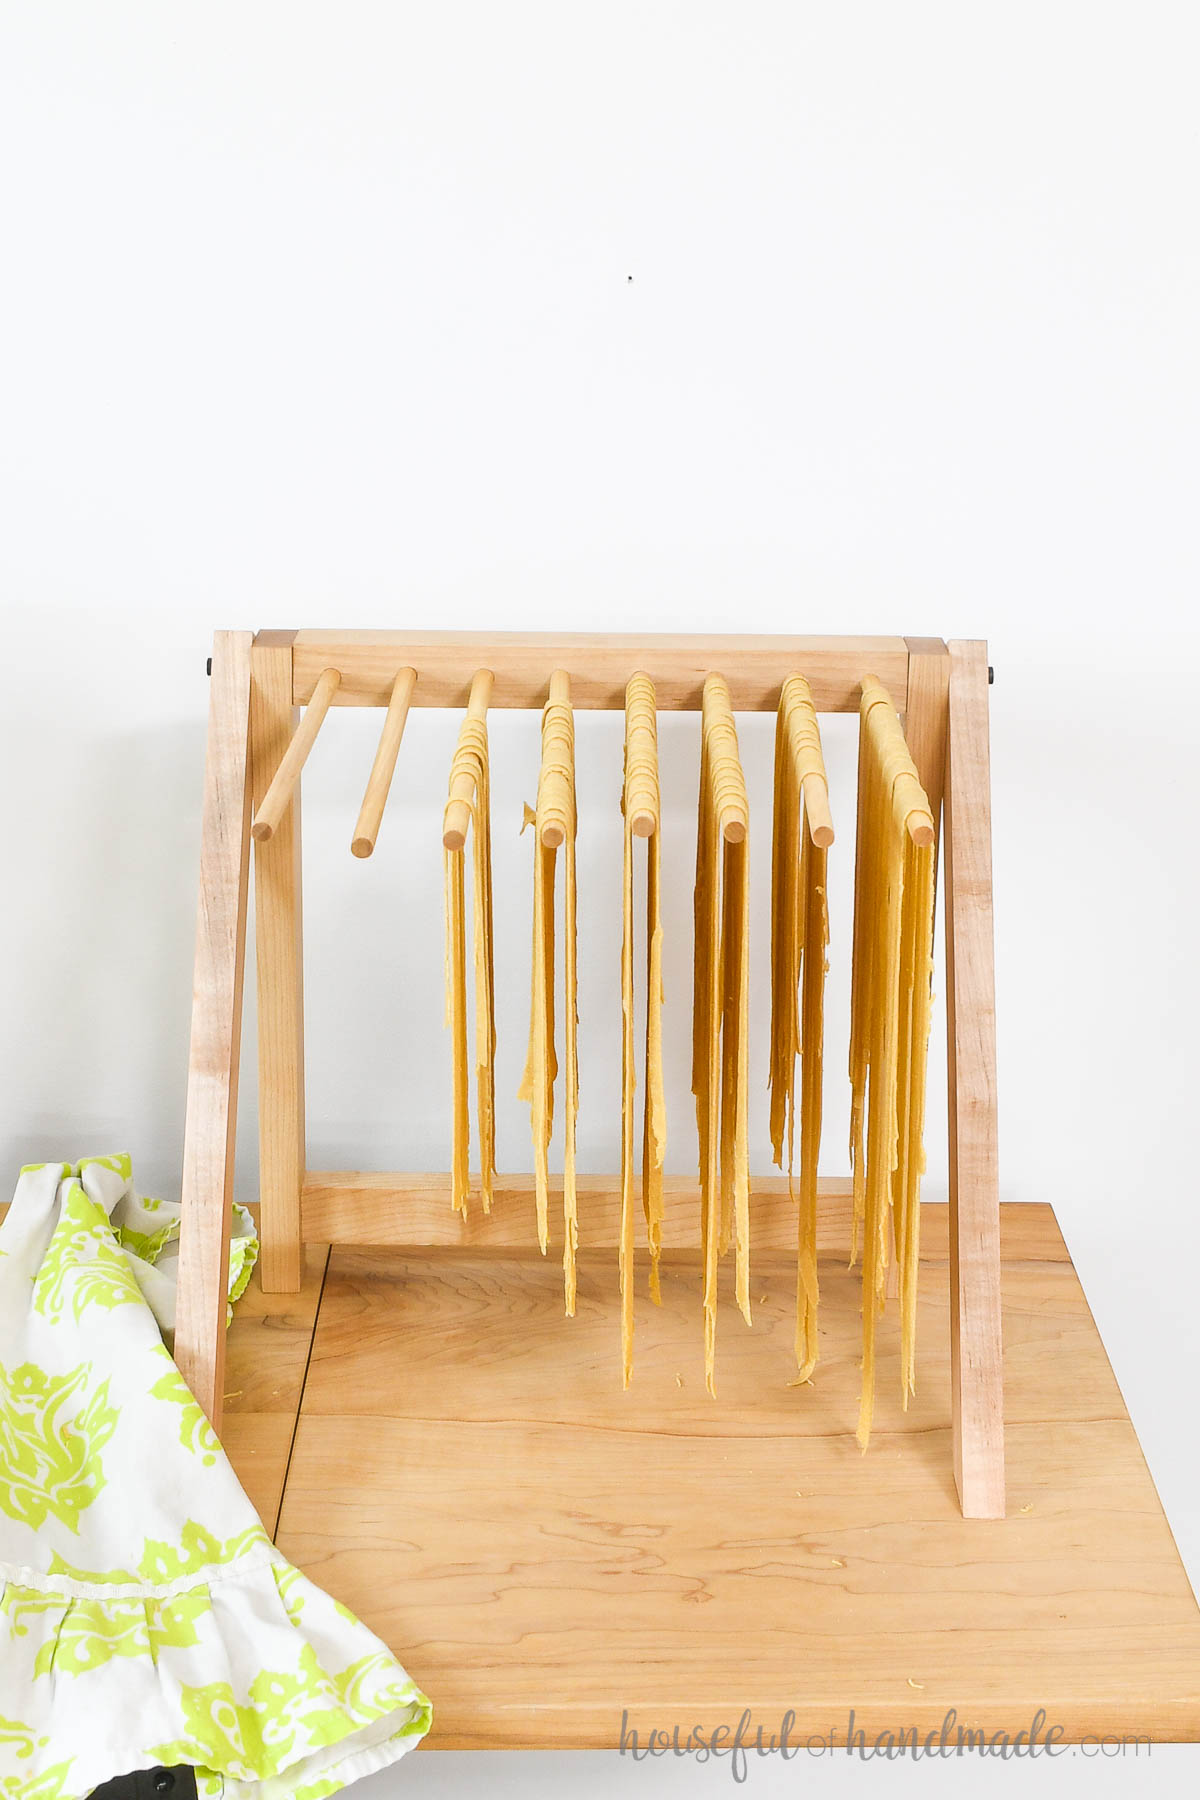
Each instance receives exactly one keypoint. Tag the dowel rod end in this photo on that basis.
(816, 810)
(480, 696)
(370, 813)
(643, 824)
(278, 796)
(456, 820)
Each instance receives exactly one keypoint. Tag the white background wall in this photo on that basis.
(323, 314)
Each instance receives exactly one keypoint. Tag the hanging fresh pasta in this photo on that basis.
(641, 809)
(720, 1036)
(554, 824)
(802, 834)
(469, 790)
(891, 998)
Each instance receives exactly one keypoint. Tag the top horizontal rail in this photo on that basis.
(598, 665)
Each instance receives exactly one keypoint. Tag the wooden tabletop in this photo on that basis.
(549, 1555)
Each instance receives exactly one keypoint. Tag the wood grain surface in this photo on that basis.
(214, 1053)
(598, 665)
(976, 1359)
(545, 1552)
(279, 969)
(266, 1356)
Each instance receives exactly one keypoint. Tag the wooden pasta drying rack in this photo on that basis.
(398, 1228)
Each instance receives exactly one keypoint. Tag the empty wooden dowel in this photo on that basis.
(556, 785)
(457, 817)
(278, 796)
(370, 814)
(641, 757)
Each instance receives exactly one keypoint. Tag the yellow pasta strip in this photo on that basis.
(554, 825)
(471, 761)
(537, 1082)
(920, 886)
(799, 935)
(735, 1094)
(641, 809)
(628, 1083)
(860, 988)
(890, 1015)
(571, 1076)
(705, 1046)
(784, 1027)
(456, 1021)
(720, 1036)
(654, 1126)
(812, 1034)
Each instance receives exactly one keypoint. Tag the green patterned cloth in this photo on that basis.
(145, 1615)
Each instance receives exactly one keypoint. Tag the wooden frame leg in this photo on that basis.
(211, 1118)
(975, 1354)
(277, 916)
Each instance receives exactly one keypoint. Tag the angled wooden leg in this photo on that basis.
(211, 1119)
(975, 1362)
(280, 973)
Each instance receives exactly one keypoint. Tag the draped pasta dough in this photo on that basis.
(640, 807)
(720, 1037)
(654, 1122)
(471, 761)
(554, 826)
(891, 1001)
(799, 935)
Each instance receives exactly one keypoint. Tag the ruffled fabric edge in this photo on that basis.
(147, 1231)
(254, 1677)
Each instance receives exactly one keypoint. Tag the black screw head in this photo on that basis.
(164, 1781)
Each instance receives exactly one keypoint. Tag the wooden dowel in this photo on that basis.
(556, 783)
(370, 814)
(641, 757)
(918, 819)
(816, 811)
(920, 828)
(278, 796)
(804, 744)
(457, 816)
(907, 792)
(733, 808)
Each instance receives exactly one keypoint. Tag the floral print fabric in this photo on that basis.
(145, 1616)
